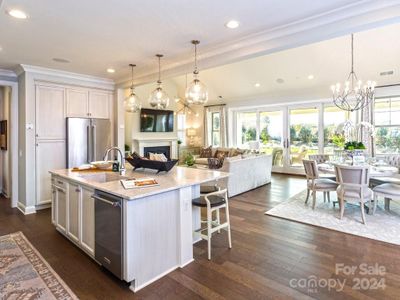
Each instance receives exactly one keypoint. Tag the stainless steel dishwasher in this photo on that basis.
(109, 232)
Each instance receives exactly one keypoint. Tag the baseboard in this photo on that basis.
(43, 206)
(26, 210)
(135, 289)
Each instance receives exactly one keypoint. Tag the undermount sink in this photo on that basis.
(103, 177)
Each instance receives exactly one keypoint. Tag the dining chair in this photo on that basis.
(353, 187)
(315, 183)
(319, 158)
(388, 191)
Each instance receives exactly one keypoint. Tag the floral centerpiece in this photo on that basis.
(355, 149)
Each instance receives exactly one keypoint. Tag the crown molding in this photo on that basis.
(358, 16)
(7, 73)
(64, 74)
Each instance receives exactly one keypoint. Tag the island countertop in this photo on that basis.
(178, 177)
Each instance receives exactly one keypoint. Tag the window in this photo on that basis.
(181, 124)
(246, 128)
(333, 117)
(215, 129)
(387, 124)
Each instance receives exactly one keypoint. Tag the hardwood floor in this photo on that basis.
(268, 255)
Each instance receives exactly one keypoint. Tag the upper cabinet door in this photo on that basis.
(50, 112)
(99, 104)
(77, 103)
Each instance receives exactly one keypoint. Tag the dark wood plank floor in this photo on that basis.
(267, 254)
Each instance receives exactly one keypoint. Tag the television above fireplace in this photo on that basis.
(152, 120)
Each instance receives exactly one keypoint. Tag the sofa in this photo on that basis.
(247, 171)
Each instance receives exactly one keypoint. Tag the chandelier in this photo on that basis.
(159, 99)
(353, 95)
(132, 103)
(185, 109)
(196, 93)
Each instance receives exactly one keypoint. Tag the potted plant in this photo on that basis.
(355, 149)
(189, 160)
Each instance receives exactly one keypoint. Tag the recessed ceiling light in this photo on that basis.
(257, 85)
(16, 13)
(111, 70)
(280, 80)
(232, 24)
(61, 60)
(386, 73)
(311, 76)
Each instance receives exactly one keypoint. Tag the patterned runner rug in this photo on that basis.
(383, 225)
(24, 274)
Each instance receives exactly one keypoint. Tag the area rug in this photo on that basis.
(383, 225)
(24, 274)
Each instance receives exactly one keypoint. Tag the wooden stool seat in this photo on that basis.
(215, 200)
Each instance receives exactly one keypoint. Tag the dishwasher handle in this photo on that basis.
(114, 204)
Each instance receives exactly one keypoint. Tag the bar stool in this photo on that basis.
(214, 202)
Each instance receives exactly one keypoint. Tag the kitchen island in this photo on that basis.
(157, 222)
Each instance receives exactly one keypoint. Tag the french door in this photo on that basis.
(290, 133)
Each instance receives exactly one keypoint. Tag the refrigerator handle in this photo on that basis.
(88, 150)
(94, 142)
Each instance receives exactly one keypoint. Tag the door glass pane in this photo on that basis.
(303, 133)
(246, 128)
(333, 117)
(271, 135)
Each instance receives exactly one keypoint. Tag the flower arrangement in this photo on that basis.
(354, 145)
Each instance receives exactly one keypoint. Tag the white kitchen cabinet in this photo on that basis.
(74, 201)
(77, 102)
(99, 104)
(53, 203)
(61, 207)
(50, 112)
(50, 155)
(87, 220)
(83, 103)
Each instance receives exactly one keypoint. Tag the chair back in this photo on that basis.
(393, 160)
(352, 176)
(311, 169)
(319, 158)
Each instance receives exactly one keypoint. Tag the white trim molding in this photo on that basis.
(104, 82)
(26, 210)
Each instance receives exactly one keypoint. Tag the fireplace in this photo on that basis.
(166, 150)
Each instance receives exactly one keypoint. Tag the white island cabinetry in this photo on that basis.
(157, 222)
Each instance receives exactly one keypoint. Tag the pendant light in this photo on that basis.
(197, 92)
(353, 95)
(159, 99)
(132, 103)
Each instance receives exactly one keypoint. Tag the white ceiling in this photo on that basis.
(375, 51)
(94, 35)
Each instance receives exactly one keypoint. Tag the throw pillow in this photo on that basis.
(206, 152)
(215, 163)
(236, 152)
(221, 153)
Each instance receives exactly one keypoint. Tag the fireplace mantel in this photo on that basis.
(139, 143)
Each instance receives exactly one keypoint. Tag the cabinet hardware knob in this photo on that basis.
(77, 190)
(60, 182)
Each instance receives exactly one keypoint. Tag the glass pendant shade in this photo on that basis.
(196, 93)
(159, 99)
(132, 103)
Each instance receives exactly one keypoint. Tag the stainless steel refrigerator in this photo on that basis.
(87, 140)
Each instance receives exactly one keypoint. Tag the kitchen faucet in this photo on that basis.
(122, 168)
